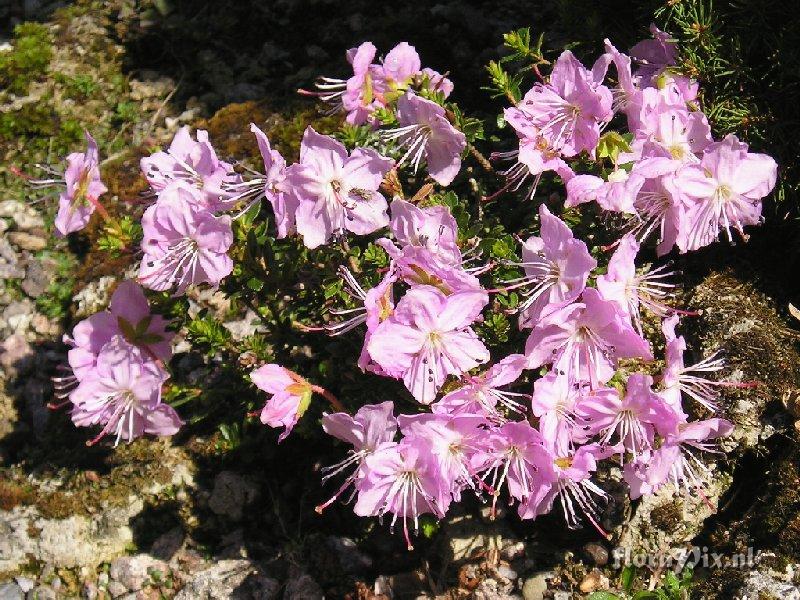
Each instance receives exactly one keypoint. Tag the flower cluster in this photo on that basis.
(533, 426)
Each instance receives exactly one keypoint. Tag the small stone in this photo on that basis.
(595, 580)
(302, 586)
(9, 271)
(89, 591)
(11, 591)
(102, 579)
(42, 592)
(116, 589)
(25, 584)
(536, 585)
(27, 241)
(231, 494)
(597, 553)
(135, 571)
(168, 544)
(353, 561)
(16, 355)
(512, 550)
(38, 277)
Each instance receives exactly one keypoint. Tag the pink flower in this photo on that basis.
(723, 192)
(402, 479)
(691, 380)
(520, 462)
(284, 205)
(654, 55)
(433, 228)
(630, 421)
(675, 461)
(553, 401)
(556, 269)
(428, 338)
(670, 129)
(584, 340)
(364, 91)
(417, 265)
(128, 316)
(435, 82)
(192, 162)
(400, 65)
(458, 444)
(621, 284)
(77, 203)
(481, 394)
(568, 110)
(335, 191)
(372, 428)
(617, 194)
(425, 132)
(123, 393)
(291, 396)
(183, 244)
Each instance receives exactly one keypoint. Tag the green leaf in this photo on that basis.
(603, 596)
(626, 577)
(645, 595)
(255, 284)
(611, 144)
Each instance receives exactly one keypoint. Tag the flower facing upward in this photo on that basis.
(723, 192)
(77, 203)
(194, 163)
(428, 338)
(336, 191)
(123, 393)
(183, 244)
(584, 340)
(433, 228)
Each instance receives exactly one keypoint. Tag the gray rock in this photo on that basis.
(16, 355)
(135, 571)
(536, 585)
(230, 579)
(7, 252)
(11, 591)
(9, 271)
(231, 494)
(763, 585)
(25, 583)
(353, 561)
(89, 591)
(302, 586)
(42, 592)
(27, 241)
(17, 316)
(168, 544)
(38, 277)
(116, 589)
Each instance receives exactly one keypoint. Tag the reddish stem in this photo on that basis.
(338, 406)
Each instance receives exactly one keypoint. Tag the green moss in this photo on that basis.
(27, 62)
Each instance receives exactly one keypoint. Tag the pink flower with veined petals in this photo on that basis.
(400, 65)
(426, 133)
(372, 428)
(691, 379)
(428, 338)
(654, 55)
(584, 340)
(336, 191)
(621, 284)
(433, 228)
(556, 269)
(417, 265)
(403, 480)
(632, 420)
(291, 395)
(671, 129)
(481, 394)
(363, 93)
(553, 401)
(458, 445)
(520, 462)
(675, 461)
(284, 205)
(123, 393)
(183, 244)
(128, 316)
(83, 188)
(723, 192)
(567, 111)
(194, 163)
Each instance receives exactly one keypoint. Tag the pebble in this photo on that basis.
(597, 553)
(27, 241)
(11, 591)
(116, 589)
(595, 580)
(25, 584)
(535, 586)
(89, 591)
